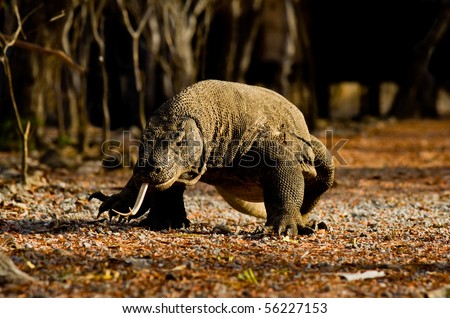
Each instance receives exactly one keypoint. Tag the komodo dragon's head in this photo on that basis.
(171, 151)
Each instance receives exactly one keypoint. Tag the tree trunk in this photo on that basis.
(418, 95)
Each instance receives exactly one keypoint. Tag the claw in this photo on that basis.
(98, 195)
(289, 231)
(124, 217)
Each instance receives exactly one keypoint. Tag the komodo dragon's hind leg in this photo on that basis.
(315, 187)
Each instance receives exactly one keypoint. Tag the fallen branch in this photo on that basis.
(10, 274)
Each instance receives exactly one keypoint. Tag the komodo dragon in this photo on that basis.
(249, 142)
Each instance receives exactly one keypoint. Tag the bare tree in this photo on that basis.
(249, 41)
(418, 96)
(97, 24)
(24, 133)
(135, 35)
(174, 26)
(75, 41)
(169, 40)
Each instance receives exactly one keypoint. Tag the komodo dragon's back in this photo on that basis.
(229, 111)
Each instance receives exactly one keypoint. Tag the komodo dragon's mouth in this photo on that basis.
(138, 203)
(141, 195)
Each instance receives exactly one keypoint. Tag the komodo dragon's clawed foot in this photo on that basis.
(286, 224)
(285, 229)
(114, 203)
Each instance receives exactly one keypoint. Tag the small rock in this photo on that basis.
(139, 263)
(221, 229)
(171, 276)
(87, 245)
(61, 252)
(361, 276)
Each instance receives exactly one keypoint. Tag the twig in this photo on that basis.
(5, 61)
(40, 49)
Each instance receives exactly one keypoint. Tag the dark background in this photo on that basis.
(300, 48)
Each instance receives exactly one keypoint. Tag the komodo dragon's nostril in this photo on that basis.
(152, 167)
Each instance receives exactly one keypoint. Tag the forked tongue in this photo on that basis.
(138, 203)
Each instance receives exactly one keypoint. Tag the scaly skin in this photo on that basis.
(249, 141)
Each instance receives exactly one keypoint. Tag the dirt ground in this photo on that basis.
(388, 230)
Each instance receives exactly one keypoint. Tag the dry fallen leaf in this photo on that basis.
(361, 275)
(388, 214)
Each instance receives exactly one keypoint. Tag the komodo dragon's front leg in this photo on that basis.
(167, 210)
(166, 207)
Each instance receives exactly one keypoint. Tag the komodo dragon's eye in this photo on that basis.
(176, 138)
